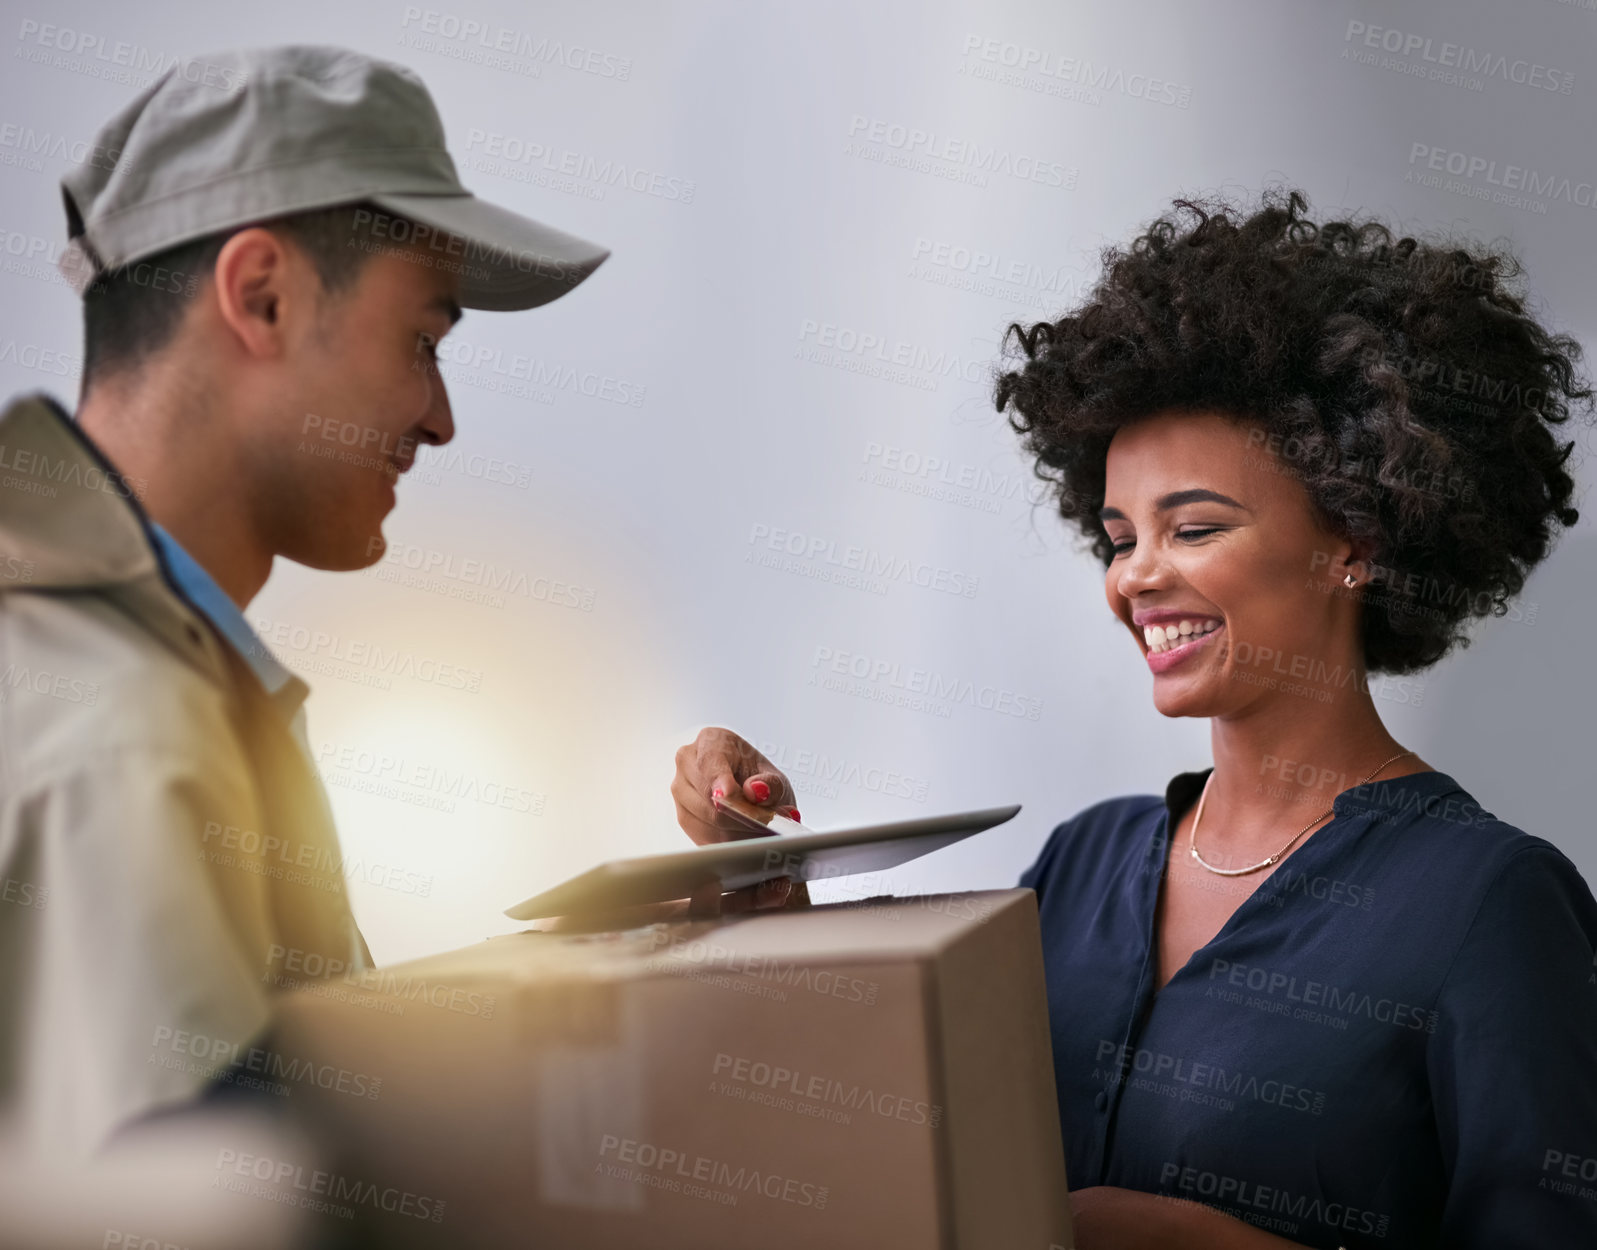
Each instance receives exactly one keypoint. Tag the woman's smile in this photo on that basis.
(1168, 645)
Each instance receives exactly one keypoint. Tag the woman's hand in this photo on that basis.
(719, 762)
(1107, 1218)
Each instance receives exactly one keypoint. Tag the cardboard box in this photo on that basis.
(865, 1074)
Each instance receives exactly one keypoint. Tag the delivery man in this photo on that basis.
(268, 256)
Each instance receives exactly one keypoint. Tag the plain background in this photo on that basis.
(793, 343)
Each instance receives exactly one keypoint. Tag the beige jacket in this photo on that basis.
(167, 853)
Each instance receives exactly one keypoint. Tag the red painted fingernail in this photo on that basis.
(716, 795)
(793, 814)
(761, 791)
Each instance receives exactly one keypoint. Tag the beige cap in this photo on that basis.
(224, 140)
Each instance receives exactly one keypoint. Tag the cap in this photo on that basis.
(225, 140)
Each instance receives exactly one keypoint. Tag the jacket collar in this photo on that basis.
(65, 512)
(70, 521)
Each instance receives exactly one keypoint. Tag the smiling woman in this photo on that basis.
(1304, 454)
(1400, 384)
(1362, 1012)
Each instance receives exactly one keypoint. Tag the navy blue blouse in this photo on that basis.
(1391, 1043)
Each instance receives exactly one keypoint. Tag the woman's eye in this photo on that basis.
(1120, 548)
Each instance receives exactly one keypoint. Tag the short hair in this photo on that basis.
(1401, 382)
(131, 313)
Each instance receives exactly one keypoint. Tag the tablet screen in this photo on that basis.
(748, 861)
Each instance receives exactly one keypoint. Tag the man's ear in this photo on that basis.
(254, 289)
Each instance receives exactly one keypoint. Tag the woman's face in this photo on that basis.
(1213, 529)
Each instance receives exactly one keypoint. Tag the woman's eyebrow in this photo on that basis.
(1175, 499)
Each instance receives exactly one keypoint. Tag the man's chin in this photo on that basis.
(345, 557)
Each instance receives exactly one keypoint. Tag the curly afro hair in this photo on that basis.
(1401, 382)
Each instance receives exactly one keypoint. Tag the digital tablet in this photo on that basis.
(748, 861)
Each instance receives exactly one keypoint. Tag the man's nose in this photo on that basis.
(437, 426)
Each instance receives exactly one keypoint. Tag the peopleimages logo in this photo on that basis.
(42, 681)
(275, 1178)
(988, 273)
(939, 477)
(470, 34)
(934, 686)
(1075, 71)
(1187, 1080)
(493, 361)
(43, 359)
(673, 951)
(301, 863)
(1272, 1198)
(28, 148)
(211, 1056)
(438, 781)
(491, 582)
(91, 54)
(1508, 179)
(917, 147)
(290, 967)
(678, 1166)
(811, 552)
(322, 644)
(778, 1080)
(1313, 993)
(1567, 1167)
(823, 773)
(44, 470)
(552, 159)
(370, 225)
(1445, 55)
(894, 353)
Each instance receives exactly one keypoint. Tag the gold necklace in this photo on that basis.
(1192, 839)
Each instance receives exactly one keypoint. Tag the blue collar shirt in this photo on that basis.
(287, 692)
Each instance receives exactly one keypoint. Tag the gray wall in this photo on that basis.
(707, 394)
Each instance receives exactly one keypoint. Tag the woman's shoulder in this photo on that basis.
(1521, 909)
(1509, 854)
(1443, 816)
(1435, 831)
(1110, 829)
(1109, 818)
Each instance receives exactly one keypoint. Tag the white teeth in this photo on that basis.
(1164, 637)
